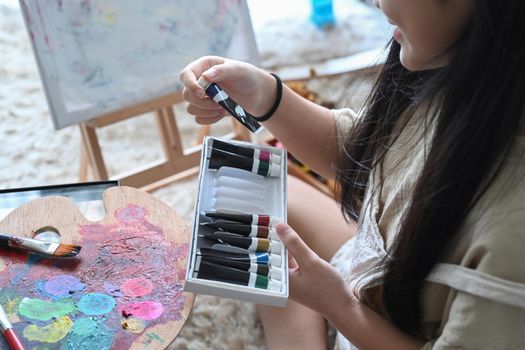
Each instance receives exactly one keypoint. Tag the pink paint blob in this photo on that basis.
(131, 214)
(136, 287)
(146, 310)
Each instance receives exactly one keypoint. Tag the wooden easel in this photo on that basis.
(178, 163)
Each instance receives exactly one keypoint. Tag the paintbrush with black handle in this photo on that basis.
(55, 249)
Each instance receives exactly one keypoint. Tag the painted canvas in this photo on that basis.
(123, 291)
(99, 56)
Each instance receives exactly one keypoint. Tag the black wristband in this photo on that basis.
(277, 100)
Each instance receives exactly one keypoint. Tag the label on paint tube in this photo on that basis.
(219, 158)
(247, 151)
(221, 97)
(216, 272)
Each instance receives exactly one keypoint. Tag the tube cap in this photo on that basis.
(275, 260)
(273, 235)
(275, 158)
(275, 170)
(276, 248)
(275, 286)
(203, 82)
(276, 273)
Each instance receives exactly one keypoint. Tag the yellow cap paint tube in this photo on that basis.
(249, 243)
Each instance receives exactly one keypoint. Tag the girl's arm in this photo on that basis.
(306, 129)
(319, 286)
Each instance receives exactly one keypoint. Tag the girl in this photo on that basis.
(432, 172)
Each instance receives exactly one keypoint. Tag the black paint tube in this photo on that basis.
(248, 243)
(219, 158)
(265, 270)
(243, 229)
(220, 96)
(216, 272)
(249, 219)
(250, 152)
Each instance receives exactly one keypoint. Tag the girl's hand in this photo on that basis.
(313, 281)
(251, 87)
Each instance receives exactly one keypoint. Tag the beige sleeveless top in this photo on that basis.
(474, 298)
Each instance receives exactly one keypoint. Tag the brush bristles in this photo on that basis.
(67, 250)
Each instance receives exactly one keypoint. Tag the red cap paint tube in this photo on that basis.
(265, 270)
(8, 332)
(250, 219)
(221, 97)
(250, 152)
(219, 158)
(216, 272)
(241, 255)
(248, 243)
(243, 229)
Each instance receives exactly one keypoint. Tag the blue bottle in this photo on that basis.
(322, 13)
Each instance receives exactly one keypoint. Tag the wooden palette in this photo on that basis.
(124, 289)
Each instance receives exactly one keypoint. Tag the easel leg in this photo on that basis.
(84, 164)
(94, 154)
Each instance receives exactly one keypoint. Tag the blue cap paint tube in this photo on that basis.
(216, 272)
(221, 97)
(238, 254)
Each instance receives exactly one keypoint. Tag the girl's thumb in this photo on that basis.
(214, 74)
(295, 245)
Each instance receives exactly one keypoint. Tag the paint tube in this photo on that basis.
(261, 269)
(221, 97)
(246, 185)
(216, 272)
(234, 253)
(223, 203)
(258, 181)
(243, 229)
(249, 219)
(250, 152)
(219, 158)
(249, 243)
(231, 192)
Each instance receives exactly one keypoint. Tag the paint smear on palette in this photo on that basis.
(96, 304)
(90, 334)
(50, 333)
(146, 310)
(137, 287)
(128, 279)
(42, 310)
(62, 286)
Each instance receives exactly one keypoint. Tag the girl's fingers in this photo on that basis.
(207, 120)
(194, 110)
(202, 103)
(190, 74)
(295, 245)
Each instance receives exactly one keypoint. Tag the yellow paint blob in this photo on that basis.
(133, 325)
(51, 333)
(11, 307)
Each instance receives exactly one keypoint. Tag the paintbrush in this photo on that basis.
(38, 246)
(7, 330)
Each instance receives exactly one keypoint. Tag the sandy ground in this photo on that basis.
(33, 153)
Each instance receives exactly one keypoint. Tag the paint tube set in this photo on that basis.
(235, 251)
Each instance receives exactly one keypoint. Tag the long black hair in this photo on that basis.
(480, 96)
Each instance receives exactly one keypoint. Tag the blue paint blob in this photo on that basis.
(94, 304)
(89, 334)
